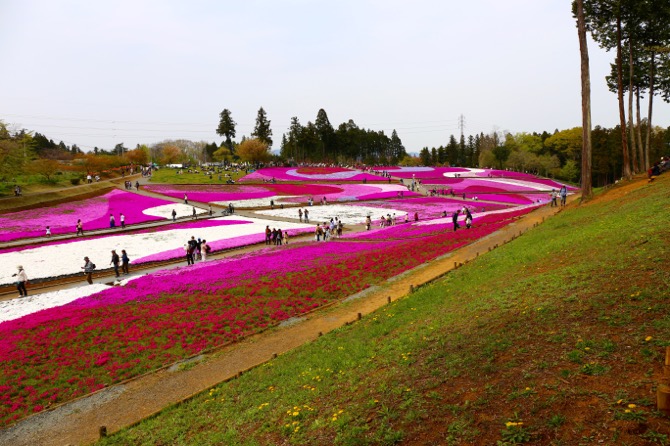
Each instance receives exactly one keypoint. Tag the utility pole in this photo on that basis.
(461, 124)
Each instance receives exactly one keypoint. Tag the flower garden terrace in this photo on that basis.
(57, 354)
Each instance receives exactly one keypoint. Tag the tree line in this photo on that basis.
(638, 32)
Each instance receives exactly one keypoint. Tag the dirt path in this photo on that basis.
(78, 422)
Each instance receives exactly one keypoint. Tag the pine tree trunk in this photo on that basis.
(638, 131)
(622, 113)
(652, 73)
(586, 180)
(637, 166)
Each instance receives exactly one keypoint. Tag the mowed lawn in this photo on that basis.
(555, 338)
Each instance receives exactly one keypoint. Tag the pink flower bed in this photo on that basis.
(491, 185)
(294, 174)
(223, 193)
(295, 193)
(93, 212)
(432, 207)
(60, 353)
(221, 245)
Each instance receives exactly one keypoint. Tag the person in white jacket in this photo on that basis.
(21, 281)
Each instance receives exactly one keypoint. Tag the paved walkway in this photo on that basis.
(121, 405)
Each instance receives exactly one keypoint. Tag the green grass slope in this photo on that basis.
(555, 338)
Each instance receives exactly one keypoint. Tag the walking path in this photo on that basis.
(78, 422)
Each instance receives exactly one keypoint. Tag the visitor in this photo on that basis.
(368, 223)
(115, 261)
(554, 197)
(416, 216)
(185, 199)
(174, 215)
(268, 235)
(210, 210)
(300, 214)
(137, 185)
(317, 233)
(48, 234)
(205, 249)
(468, 218)
(111, 221)
(280, 236)
(564, 195)
(306, 216)
(122, 218)
(190, 251)
(285, 237)
(80, 228)
(272, 204)
(125, 261)
(195, 216)
(88, 270)
(454, 219)
(21, 281)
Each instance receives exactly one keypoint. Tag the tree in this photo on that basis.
(424, 156)
(254, 151)
(587, 190)
(44, 167)
(262, 130)
(170, 154)
(139, 155)
(226, 128)
(325, 132)
(222, 154)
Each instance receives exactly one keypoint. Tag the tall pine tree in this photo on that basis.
(262, 130)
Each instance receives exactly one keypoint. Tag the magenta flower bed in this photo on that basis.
(513, 199)
(295, 193)
(491, 185)
(93, 212)
(309, 174)
(58, 354)
(432, 207)
(403, 231)
(223, 193)
(221, 245)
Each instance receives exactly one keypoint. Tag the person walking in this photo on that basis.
(88, 270)
(115, 261)
(268, 235)
(112, 222)
(210, 210)
(285, 237)
(174, 215)
(122, 218)
(195, 215)
(21, 281)
(190, 250)
(468, 218)
(306, 216)
(564, 195)
(125, 261)
(137, 185)
(80, 228)
(300, 214)
(48, 234)
(368, 223)
(185, 199)
(554, 197)
(205, 249)
(454, 219)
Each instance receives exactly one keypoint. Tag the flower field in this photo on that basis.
(309, 174)
(252, 196)
(65, 257)
(60, 353)
(93, 212)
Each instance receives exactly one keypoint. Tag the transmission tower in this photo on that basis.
(461, 124)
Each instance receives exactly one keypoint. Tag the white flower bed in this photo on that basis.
(349, 214)
(256, 202)
(165, 211)
(67, 258)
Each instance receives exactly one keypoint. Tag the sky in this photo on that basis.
(99, 73)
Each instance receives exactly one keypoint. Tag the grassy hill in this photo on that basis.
(555, 338)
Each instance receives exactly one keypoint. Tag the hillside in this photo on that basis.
(555, 338)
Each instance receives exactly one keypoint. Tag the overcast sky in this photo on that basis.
(98, 72)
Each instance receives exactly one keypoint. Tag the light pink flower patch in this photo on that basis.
(93, 212)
